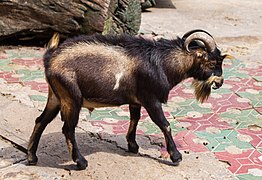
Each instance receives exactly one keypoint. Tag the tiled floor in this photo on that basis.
(228, 124)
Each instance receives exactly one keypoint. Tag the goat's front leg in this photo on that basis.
(131, 134)
(155, 112)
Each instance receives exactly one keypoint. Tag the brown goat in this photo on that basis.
(99, 71)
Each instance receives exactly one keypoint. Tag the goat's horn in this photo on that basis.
(200, 35)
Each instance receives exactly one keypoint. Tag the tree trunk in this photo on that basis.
(36, 20)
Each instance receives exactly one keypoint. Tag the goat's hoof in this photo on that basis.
(32, 159)
(81, 164)
(176, 158)
(133, 147)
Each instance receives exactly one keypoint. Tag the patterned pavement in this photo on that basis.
(227, 124)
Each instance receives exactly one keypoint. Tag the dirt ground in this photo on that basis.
(235, 24)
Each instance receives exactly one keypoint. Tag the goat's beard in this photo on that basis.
(203, 88)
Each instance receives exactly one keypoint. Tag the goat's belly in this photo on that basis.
(91, 105)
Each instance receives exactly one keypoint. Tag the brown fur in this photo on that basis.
(203, 88)
(53, 43)
(99, 71)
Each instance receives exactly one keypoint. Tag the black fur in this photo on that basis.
(151, 53)
(156, 67)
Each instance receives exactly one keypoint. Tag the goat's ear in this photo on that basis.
(201, 54)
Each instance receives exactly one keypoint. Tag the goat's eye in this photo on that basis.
(211, 66)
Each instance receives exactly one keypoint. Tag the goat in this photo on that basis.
(99, 71)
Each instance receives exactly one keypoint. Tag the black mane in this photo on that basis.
(137, 46)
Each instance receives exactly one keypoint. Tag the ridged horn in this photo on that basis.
(200, 35)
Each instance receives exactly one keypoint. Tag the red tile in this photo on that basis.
(43, 87)
(255, 135)
(118, 127)
(244, 169)
(243, 84)
(185, 141)
(244, 161)
(3, 56)
(29, 62)
(227, 101)
(241, 163)
(254, 71)
(8, 77)
(259, 109)
(207, 120)
(179, 91)
(38, 86)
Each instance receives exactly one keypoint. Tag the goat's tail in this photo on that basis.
(54, 41)
(50, 49)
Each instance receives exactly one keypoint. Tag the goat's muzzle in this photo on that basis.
(216, 81)
(203, 88)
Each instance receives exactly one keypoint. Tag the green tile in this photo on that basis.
(100, 114)
(244, 118)
(38, 98)
(188, 106)
(5, 65)
(175, 129)
(149, 128)
(218, 142)
(29, 75)
(258, 78)
(222, 90)
(248, 177)
(5, 62)
(234, 70)
(24, 53)
(255, 99)
(235, 73)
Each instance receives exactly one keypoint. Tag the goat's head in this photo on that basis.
(207, 66)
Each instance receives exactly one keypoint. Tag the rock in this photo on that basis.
(32, 21)
(145, 4)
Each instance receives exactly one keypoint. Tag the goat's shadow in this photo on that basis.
(53, 152)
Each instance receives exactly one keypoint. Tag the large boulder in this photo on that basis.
(31, 21)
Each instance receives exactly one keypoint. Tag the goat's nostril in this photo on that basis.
(222, 81)
(217, 85)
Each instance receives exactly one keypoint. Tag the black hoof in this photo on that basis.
(81, 164)
(133, 147)
(32, 160)
(176, 158)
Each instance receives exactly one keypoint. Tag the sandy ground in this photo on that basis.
(237, 27)
(105, 153)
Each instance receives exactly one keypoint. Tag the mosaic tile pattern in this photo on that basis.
(227, 124)
(242, 163)
(220, 140)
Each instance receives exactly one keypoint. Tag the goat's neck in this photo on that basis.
(178, 67)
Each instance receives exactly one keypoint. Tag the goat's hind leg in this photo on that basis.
(51, 110)
(131, 134)
(70, 114)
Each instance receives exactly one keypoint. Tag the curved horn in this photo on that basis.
(193, 31)
(200, 35)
